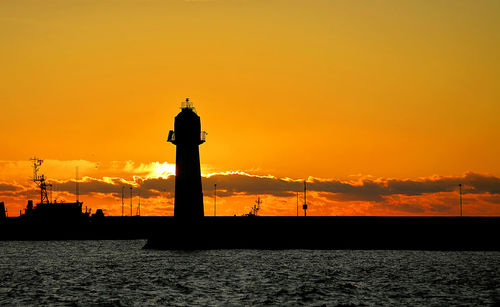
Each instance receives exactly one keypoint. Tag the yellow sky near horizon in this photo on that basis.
(317, 88)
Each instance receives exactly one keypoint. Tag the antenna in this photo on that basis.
(187, 105)
(40, 180)
(256, 207)
(460, 192)
(305, 199)
(215, 198)
(36, 167)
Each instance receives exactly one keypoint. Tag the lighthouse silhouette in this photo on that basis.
(187, 136)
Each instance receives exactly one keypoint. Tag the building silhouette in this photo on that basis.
(187, 136)
(3, 211)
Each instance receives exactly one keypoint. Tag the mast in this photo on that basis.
(305, 199)
(40, 180)
(256, 207)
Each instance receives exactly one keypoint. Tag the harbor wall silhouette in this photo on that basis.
(260, 232)
(412, 233)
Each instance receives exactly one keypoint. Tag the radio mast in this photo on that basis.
(305, 202)
(40, 180)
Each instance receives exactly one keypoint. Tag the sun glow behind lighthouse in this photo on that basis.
(161, 170)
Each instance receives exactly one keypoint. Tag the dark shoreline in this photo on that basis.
(345, 232)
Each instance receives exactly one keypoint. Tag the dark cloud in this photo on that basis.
(158, 185)
(4, 187)
(375, 190)
(229, 184)
(90, 185)
(244, 184)
(481, 183)
(368, 190)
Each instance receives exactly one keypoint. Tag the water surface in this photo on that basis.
(122, 273)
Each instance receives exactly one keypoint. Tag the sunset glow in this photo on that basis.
(383, 108)
(162, 170)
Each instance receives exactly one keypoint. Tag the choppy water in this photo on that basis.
(121, 273)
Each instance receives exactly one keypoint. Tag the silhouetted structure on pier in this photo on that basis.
(187, 136)
(3, 212)
(48, 211)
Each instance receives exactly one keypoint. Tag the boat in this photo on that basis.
(48, 211)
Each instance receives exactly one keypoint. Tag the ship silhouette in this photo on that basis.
(51, 212)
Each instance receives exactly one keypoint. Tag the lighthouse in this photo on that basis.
(187, 137)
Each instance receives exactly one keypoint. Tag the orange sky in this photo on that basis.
(343, 91)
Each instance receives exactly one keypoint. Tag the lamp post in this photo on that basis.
(304, 206)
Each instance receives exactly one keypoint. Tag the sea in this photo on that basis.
(122, 273)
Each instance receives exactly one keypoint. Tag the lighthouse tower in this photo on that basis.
(187, 136)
